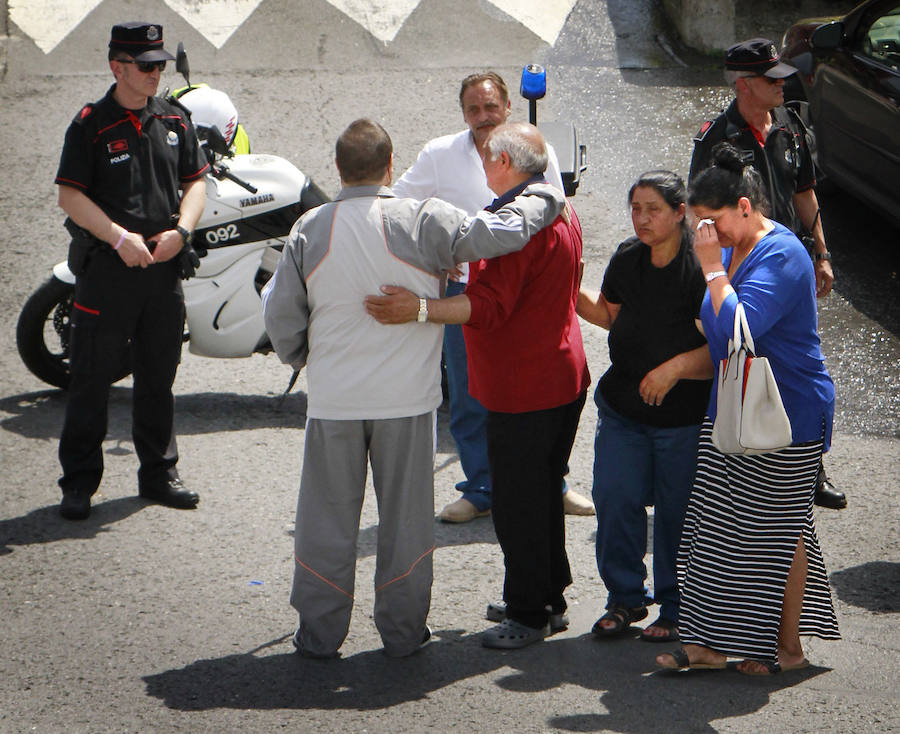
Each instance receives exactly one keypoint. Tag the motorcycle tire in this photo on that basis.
(42, 334)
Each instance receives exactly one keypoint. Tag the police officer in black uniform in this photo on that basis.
(124, 161)
(772, 139)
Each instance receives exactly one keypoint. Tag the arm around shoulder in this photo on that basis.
(445, 235)
(511, 227)
(398, 305)
(286, 310)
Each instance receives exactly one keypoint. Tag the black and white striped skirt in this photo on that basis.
(744, 519)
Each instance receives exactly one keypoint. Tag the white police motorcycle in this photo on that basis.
(252, 202)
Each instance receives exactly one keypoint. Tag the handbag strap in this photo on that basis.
(741, 325)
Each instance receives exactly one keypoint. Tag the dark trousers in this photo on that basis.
(528, 453)
(115, 305)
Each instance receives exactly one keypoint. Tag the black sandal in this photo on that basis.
(666, 624)
(771, 667)
(622, 617)
(681, 661)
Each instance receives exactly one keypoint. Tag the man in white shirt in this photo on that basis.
(450, 168)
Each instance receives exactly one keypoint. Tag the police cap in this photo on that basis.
(758, 55)
(142, 41)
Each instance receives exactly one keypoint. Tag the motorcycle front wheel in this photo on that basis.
(42, 334)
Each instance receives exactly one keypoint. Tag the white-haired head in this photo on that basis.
(524, 145)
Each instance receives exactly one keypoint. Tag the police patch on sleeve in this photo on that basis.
(704, 128)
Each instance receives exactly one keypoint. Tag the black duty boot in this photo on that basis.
(826, 494)
(75, 505)
(171, 493)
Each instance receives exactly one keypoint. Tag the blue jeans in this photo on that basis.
(636, 465)
(467, 416)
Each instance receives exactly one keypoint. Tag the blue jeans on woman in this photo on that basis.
(636, 465)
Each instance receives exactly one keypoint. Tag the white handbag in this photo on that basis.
(750, 417)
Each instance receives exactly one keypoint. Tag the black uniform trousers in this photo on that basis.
(116, 305)
(528, 454)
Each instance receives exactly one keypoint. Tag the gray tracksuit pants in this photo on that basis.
(332, 487)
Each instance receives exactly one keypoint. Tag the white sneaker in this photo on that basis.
(461, 511)
(576, 504)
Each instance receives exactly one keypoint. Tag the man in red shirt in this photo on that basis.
(527, 367)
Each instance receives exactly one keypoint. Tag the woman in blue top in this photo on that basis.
(750, 571)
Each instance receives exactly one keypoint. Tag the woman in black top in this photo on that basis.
(650, 404)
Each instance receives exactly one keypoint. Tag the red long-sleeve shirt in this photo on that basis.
(523, 339)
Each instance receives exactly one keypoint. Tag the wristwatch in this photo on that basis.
(822, 256)
(185, 235)
(422, 315)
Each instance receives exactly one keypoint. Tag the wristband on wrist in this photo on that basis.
(422, 315)
(186, 236)
(822, 256)
(710, 277)
(120, 240)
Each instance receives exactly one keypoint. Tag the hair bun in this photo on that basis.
(728, 157)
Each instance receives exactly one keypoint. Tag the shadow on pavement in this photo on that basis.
(44, 525)
(40, 414)
(629, 699)
(36, 414)
(874, 586)
(446, 535)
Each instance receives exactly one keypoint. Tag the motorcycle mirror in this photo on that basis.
(181, 63)
(215, 141)
(533, 87)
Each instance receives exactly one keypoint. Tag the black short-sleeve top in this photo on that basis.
(656, 322)
(132, 163)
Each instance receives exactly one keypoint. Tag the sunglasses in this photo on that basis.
(145, 66)
(768, 79)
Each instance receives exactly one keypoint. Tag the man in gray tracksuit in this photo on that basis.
(373, 389)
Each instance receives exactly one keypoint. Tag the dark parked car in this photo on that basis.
(848, 89)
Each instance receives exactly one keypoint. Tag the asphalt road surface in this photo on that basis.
(146, 619)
